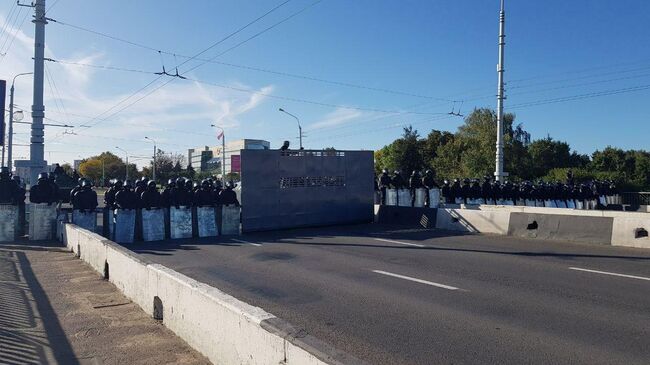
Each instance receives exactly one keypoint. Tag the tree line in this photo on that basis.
(470, 152)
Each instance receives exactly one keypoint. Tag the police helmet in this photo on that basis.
(42, 176)
(151, 184)
(118, 183)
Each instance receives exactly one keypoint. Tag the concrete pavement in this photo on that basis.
(54, 309)
(395, 296)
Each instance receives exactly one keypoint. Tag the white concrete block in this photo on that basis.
(626, 231)
(473, 220)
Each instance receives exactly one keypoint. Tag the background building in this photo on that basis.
(208, 158)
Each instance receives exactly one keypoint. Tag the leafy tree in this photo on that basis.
(404, 154)
(547, 154)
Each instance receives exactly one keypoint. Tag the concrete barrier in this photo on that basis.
(631, 230)
(575, 228)
(473, 220)
(221, 327)
(414, 217)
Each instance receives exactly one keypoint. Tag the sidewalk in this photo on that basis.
(56, 310)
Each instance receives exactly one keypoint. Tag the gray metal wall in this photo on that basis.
(287, 189)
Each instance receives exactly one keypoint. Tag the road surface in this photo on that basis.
(396, 296)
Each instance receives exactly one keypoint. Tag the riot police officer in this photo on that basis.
(415, 182)
(397, 182)
(384, 183)
(150, 198)
(8, 187)
(126, 198)
(42, 192)
(166, 196)
(203, 196)
(85, 198)
(228, 195)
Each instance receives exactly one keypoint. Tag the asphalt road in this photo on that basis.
(394, 296)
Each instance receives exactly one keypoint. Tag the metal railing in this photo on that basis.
(636, 198)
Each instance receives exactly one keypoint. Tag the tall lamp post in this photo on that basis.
(299, 127)
(126, 176)
(154, 157)
(223, 153)
(18, 117)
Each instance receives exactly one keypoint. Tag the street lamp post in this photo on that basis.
(154, 157)
(223, 153)
(11, 120)
(126, 176)
(299, 126)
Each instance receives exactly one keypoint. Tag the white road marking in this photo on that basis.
(443, 286)
(250, 243)
(611, 273)
(399, 243)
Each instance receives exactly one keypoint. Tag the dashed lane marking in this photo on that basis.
(438, 285)
(246, 242)
(611, 273)
(399, 242)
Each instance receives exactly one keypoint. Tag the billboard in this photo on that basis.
(235, 163)
(3, 91)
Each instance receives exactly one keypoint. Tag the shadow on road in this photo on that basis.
(361, 236)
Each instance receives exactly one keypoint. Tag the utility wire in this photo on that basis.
(171, 79)
(7, 21)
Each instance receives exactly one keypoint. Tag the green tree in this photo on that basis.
(547, 154)
(403, 154)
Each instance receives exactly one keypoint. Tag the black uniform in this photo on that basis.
(150, 198)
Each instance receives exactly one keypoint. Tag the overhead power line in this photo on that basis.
(171, 79)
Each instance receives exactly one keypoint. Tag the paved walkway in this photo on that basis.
(54, 309)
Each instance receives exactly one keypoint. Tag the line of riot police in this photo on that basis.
(178, 192)
(592, 194)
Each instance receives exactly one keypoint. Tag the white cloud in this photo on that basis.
(180, 105)
(337, 117)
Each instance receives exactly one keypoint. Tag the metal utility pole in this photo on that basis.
(499, 174)
(37, 148)
(154, 158)
(126, 175)
(299, 126)
(223, 154)
(11, 121)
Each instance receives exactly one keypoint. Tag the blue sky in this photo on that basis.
(435, 54)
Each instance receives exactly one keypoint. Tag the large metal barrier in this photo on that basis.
(9, 222)
(42, 221)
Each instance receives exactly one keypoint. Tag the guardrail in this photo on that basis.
(636, 198)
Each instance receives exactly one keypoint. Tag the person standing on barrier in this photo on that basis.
(384, 184)
(203, 197)
(216, 191)
(85, 199)
(397, 181)
(486, 191)
(150, 198)
(42, 192)
(54, 187)
(126, 199)
(228, 195)
(75, 190)
(8, 187)
(20, 191)
(166, 196)
(415, 182)
(429, 182)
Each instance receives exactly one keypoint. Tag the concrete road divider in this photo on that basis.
(573, 228)
(473, 220)
(221, 327)
(631, 230)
